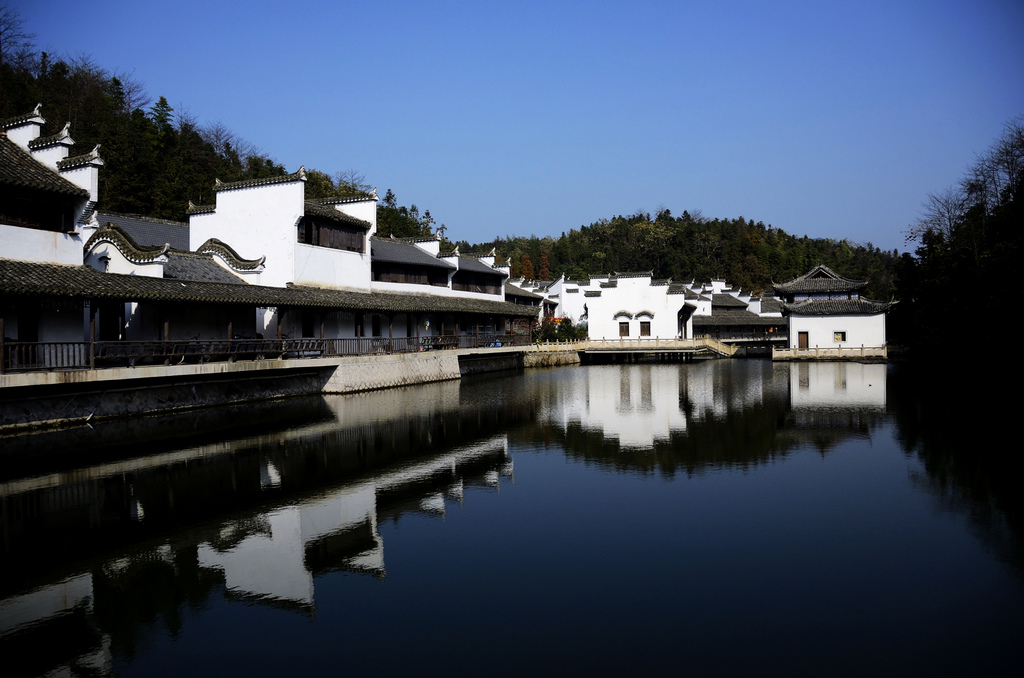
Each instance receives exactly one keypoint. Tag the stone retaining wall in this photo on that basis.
(70, 398)
(388, 371)
(550, 358)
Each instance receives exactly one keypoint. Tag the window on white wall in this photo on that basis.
(645, 328)
(839, 337)
(624, 329)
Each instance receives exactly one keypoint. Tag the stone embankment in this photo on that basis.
(66, 398)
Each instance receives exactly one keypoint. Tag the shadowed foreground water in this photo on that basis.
(719, 518)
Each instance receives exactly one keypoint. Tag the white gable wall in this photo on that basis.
(635, 296)
(257, 221)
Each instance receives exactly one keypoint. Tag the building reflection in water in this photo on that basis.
(103, 546)
(96, 553)
(709, 415)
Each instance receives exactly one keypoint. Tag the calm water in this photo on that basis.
(723, 518)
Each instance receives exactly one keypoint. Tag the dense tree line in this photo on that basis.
(969, 245)
(750, 255)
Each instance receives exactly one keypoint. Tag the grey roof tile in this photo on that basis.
(837, 307)
(821, 278)
(28, 279)
(20, 170)
(197, 267)
(147, 231)
(398, 252)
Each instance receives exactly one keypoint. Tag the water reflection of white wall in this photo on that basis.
(634, 404)
(826, 384)
(266, 565)
(47, 604)
(269, 563)
(641, 404)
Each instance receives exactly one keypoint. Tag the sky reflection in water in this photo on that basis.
(723, 517)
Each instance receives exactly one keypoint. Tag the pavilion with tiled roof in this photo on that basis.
(825, 311)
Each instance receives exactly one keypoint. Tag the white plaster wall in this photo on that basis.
(87, 177)
(571, 304)
(118, 263)
(326, 267)
(257, 221)
(364, 209)
(48, 247)
(23, 134)
(51, 155)
(866, 330)
(634, 295)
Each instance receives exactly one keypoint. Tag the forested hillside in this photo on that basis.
(746, 253)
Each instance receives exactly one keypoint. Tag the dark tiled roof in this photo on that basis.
(200, 209)
(353, 197)
(771, 305)
(27, 279)
(592, 293)
(634, 274)
(819, 279)
(476, 266)
(18, 120)
(80, 160)
(226, 252)
(396, 252)
(315, 209)
(21, 170)
(90, 209)
(124, 242)
(52, 139)
(147, 231)
(837, 307)
(726, 301)
(610, 283)
(513, 291)
(681, 288)
(265, 181)
(734, 318)
(197, 267)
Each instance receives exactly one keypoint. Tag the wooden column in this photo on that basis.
(92, 334)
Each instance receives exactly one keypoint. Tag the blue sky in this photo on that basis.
(825, 119)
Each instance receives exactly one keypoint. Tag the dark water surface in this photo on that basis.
(719, 518)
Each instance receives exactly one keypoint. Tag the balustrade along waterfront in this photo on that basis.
(734, 517)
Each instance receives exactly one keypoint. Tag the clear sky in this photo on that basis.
(822, 118)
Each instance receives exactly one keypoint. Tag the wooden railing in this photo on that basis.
(23, 356)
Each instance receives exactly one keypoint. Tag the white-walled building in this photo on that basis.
(826, 310)
(45, 197)
(639, 306)
(262, 262)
